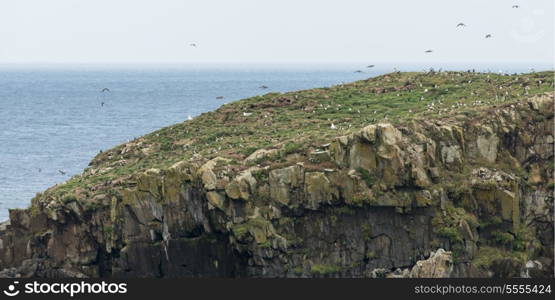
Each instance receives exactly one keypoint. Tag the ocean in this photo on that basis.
(56, 119)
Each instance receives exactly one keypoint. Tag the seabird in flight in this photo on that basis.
(461, 25)
(105, 90)
(370, 66)
(488, 36)
(428, 51)
(62, 172)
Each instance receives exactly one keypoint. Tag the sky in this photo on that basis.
(272, 31)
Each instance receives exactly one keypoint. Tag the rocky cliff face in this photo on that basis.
(452, 197)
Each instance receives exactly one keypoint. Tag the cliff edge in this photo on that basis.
(445, 174)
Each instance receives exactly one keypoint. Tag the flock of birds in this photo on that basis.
(333, 126)
(460, 24)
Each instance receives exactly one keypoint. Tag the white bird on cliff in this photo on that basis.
(189, 117)
(333, 126)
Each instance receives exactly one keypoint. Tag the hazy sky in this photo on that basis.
(272, 31)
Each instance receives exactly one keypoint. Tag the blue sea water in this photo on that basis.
(52, 119)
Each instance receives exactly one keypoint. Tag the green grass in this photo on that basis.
(322, 269)
(301, 119)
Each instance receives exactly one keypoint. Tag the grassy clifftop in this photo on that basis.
(294, 121)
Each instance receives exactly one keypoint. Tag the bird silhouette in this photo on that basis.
(516, 6)
(105, 90)
(370, 66)
(358, 71)
(428, 51)
(461, 25)
(62, 172)
(193, 44)
(220, 97)
(488, 36)
(102, 104)
(263, 87)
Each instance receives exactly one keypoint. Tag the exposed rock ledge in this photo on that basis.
(479, 187)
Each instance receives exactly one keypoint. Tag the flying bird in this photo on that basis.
(461, 25)
(105, 90)
(193, 44)
(488, 36)
(263, 87)
(62, 172)
(358, 71)
(102, 104)
(220, 97)
(516, 6)
(428, 51)
(370, 66)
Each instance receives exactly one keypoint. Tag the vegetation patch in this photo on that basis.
(321, 269)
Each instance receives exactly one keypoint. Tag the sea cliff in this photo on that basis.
(438, 174)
